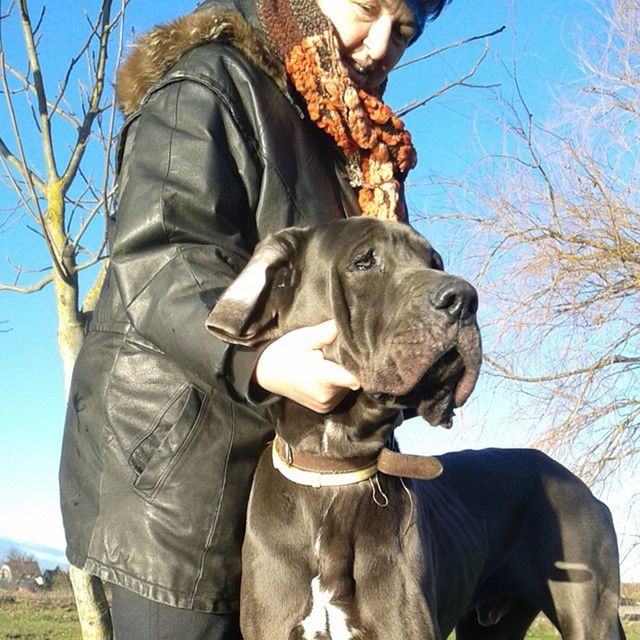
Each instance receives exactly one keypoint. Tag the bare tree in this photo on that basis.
(56, 155)
(16, 554)
(557, 223)
(65, 186)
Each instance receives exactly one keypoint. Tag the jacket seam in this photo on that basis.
(216, 517)
(169, 163)
(259, 154)
(107, 429)
(99, 567)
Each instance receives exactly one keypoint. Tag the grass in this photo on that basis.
(52, 616)
(42, 616)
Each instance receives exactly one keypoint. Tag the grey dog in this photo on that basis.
(339, 545)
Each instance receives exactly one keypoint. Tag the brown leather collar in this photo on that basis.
(316, 470)
(320, 464)
(406, 465)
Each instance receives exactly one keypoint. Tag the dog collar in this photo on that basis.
(318, 471)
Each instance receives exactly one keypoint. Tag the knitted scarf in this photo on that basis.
(377, 147)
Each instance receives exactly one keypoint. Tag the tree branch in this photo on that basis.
(14, 161)
(21, 163)
(33, 288)
(34, 61)
(461, 82)
(452, 45)
(96, 95)
(597, 365)
(53, 107)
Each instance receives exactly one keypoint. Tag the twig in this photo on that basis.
(452, 45)
(461, 82)
(599, 364)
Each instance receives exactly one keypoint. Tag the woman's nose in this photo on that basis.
(378, 38)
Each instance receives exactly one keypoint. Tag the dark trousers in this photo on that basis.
(136, 618)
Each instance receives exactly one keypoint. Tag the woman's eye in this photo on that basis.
(367, 9)
(365, 261)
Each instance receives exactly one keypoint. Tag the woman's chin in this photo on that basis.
(360, 79)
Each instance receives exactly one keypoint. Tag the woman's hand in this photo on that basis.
(293, 366)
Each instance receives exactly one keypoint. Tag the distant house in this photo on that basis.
(20, 573)
(56, 578)
(49, 575)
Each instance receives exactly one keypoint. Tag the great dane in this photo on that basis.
(338, 544)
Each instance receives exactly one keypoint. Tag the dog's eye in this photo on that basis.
(364, 261)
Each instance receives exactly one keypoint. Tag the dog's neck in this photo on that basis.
(357, 427)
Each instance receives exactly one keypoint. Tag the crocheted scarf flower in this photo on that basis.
(377, 147)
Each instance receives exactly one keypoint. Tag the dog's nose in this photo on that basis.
(456, 298)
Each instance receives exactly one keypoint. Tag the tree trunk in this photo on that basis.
(90, 597)
(92, 605)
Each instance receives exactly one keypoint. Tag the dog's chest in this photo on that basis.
(353, 574)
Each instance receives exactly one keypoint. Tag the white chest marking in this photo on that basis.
(326, 617)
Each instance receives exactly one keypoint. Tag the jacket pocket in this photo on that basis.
(161, 447)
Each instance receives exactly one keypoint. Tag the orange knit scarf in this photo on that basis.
(377, 147)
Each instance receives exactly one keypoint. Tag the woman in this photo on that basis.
(242, 119)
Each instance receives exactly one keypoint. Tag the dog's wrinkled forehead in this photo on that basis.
(374, 240)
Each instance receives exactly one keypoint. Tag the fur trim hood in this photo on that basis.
(155, 52)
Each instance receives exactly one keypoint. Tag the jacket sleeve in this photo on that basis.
(189, 185)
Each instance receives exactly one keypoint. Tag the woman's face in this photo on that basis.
(373, 35)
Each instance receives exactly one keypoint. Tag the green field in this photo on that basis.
(26, 616)
(38, 617)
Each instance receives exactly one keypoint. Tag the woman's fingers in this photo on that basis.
(293, 366)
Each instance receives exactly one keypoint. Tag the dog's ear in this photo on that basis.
(247, 312)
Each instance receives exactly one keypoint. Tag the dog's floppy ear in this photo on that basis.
(247, 312)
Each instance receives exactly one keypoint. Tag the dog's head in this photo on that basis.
(408, 330)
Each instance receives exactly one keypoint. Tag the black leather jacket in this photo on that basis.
(161, 438)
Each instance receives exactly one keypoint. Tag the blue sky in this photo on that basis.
(451, 134)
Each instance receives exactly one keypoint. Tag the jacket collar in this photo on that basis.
(230, 22)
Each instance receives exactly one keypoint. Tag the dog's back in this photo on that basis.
(514, 533)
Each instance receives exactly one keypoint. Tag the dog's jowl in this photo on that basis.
(348, 540)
